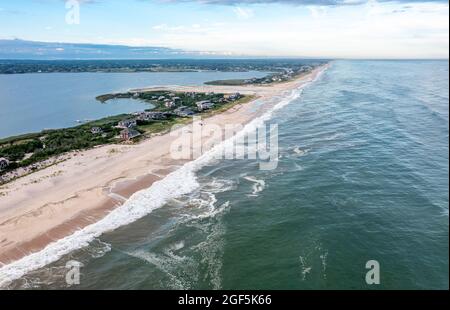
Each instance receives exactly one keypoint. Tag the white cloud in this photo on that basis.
(395, 30)
(243, 13)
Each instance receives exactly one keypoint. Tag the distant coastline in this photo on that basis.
(8, 66)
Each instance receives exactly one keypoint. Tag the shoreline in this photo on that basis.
(46, 207)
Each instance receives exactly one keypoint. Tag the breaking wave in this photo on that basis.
(258, 185)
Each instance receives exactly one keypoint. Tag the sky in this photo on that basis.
(285, 28)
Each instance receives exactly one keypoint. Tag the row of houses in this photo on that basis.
(128, 125)
(128, 132)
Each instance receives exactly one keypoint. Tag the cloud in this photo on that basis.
(302, 2)
(243, 13)
(373, 30)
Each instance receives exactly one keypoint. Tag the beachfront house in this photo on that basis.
(169, 104)
(149, 116)
(306, 68)
(4, 163)
(128, 134)
(234, 96)
(204, 105)
(96, 130)
(128, 123)
(183, 111)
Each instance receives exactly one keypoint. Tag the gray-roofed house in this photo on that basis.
(234, 96)
(183, 111)
(96, 130)
(148, 116)
(128, 134)
(128, 123)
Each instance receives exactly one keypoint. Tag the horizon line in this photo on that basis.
(212, 54)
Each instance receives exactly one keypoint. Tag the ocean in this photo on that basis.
(362, 175)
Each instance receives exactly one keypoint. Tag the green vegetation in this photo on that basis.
(185, 98)
(41, 146)
(29, 149)
(168, 101)
(148, 65)
(229, 105)
(235, 82)
(153, 127)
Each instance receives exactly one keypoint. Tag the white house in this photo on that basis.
(128, 123)
(204, 105)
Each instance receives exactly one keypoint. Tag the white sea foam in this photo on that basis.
(142, 203)
(300, 152)
(323, 258)
(305, 269)
(174, 267)
(258, 185)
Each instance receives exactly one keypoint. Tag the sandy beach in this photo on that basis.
(52, 203)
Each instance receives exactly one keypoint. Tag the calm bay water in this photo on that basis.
(32, 102)
(362, 175)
